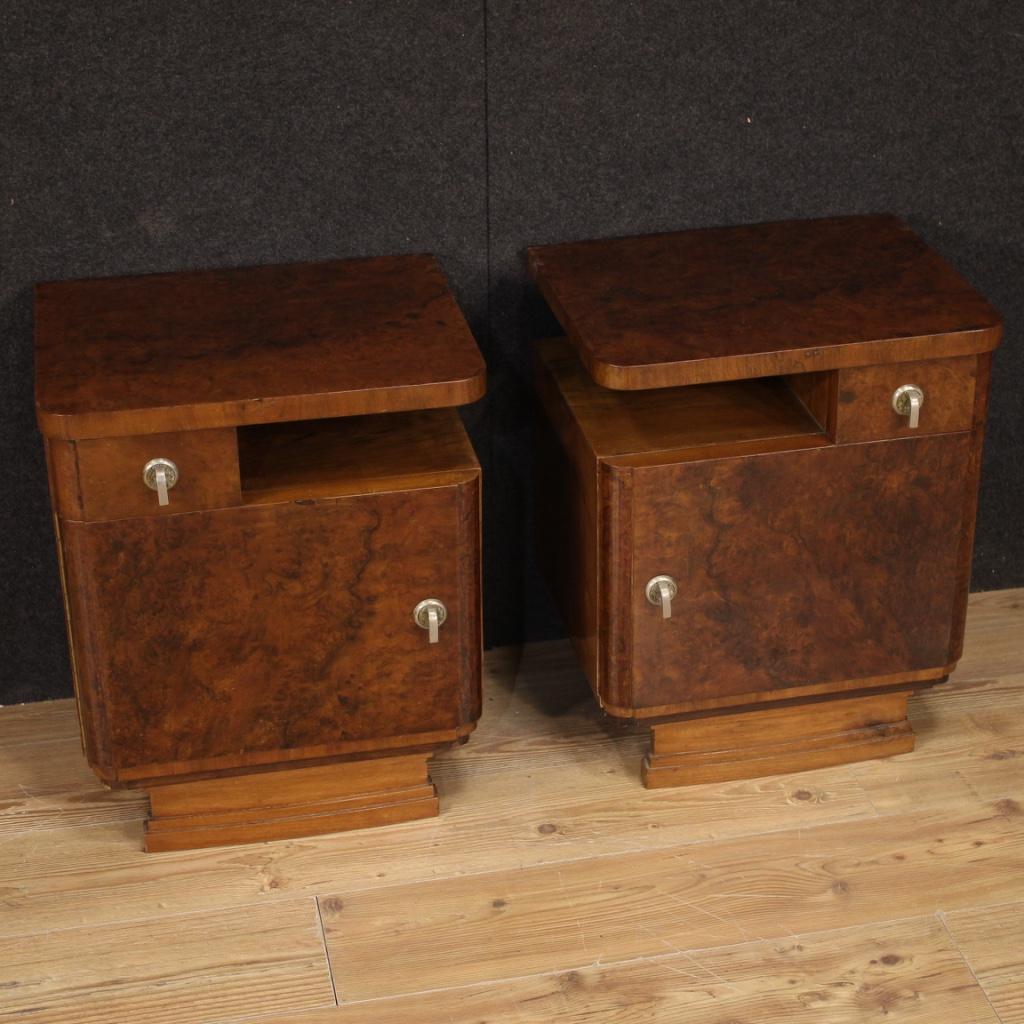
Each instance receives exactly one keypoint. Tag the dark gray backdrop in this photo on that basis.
(141, 136)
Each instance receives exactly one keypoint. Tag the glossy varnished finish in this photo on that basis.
(864, 409)
(110, 484)
(794, 568)
(820, 545)
(288, 804)
(759, 300)
(212, 348)
(664, 419)
(777, 740)
(353, 455)
(248, 652)
(295, 642)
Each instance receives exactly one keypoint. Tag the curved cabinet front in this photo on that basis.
(795, 570)
(276, 633)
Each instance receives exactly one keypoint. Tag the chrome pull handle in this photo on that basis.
(661, 590)
(430, 615)
(907, 400)
(160, 475)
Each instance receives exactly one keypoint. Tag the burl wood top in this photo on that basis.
(790, 297)
(164, 352)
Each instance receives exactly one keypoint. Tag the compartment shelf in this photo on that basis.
(353, 455)
(617, 423)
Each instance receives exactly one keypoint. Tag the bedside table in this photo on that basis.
(268, 517)
(760, 474)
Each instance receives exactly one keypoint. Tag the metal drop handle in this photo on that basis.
(160, 475)
(907, 400)
(661, 590)
(430, 615)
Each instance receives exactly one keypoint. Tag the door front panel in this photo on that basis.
(795, 569)
(279, 628)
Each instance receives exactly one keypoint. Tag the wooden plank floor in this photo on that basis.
(553, 886)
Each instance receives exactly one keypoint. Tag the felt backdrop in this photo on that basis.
(142, 136)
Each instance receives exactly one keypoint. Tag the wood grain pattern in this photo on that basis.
(668, 419)
(354, 455)
(906, 971)
(197, 968)
(759, 300)
(110, 474)
(775, 740)
(793, 568)
(285, 804)
(103, 932)
(295, 641)
(992, 940)
(817, 394)
(606, 909)
(215, 348)
(864, 400)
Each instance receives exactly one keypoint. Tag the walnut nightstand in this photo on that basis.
(268, 516)
(760, 474)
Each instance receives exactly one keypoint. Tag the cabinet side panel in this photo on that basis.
(799, 568)
(468, 553)
(567, 521)
(970, 515)
(618, 585)
(62, 472)
(282, 630)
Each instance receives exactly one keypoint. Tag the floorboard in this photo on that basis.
(553, 884)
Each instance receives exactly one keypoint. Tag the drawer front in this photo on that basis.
(111, 473)
(282, 632)
(864, 409)
(793, 569)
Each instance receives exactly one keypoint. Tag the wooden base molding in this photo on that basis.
(774, 741)
(291, 803)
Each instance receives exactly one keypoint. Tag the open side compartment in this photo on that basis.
(328, 458)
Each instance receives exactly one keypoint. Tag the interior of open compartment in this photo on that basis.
(352, 455)
(618, 422)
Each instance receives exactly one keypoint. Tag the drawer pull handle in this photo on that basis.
(660, 590)
(907, 400)
(160, 475)
(429, 615)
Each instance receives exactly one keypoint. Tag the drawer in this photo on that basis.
(791, 569)
(864, 407)
(110, 474)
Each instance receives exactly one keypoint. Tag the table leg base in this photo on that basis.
(290, 803)
(775, 741)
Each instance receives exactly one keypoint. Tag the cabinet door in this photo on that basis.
(797, 568)
(278, 632)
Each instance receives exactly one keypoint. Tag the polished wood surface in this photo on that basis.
(726, 422)
(253, 642)
(220, 640)
(213, 348)
(821, 538)
(774, 741)
(864, 409)
(759, 300)
(553, 886)
(794, 568)
(667, 419)
(353, 455)
(109, 478)
(289, 804)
